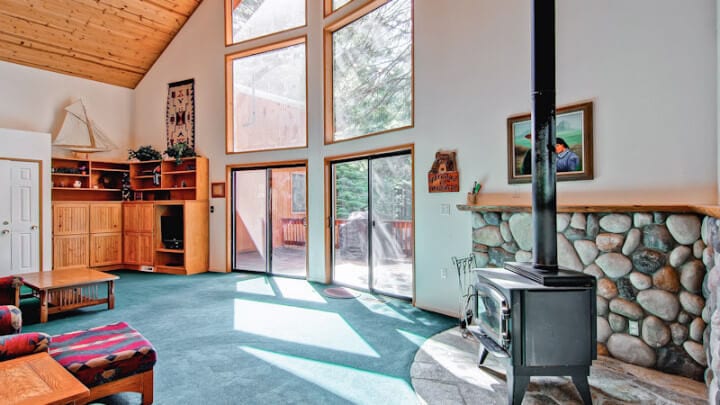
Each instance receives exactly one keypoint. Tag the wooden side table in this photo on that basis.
(38, 379)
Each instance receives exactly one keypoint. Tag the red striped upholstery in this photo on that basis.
(103, 354)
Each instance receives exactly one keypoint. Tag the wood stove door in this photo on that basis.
(557, 327)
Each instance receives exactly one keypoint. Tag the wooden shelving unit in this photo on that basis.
(93, 228)
(170, 180)
(89, 180)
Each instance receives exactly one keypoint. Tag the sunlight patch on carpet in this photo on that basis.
(297, 290)
(299, 325)
(357, 386)
(381, 308)
(417, 340)
(257, 285)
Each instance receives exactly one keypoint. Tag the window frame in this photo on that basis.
(228, 27)
(229, 83)
(328, 105)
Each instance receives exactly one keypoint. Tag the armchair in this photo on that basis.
(12, 342)
(10, 290)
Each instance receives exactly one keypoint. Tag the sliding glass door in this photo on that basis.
(372, 232)
(269, 221)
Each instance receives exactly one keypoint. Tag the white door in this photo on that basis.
(19, 217)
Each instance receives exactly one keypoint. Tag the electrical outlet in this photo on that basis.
(634, 328)
(443, 273)
(445, 209)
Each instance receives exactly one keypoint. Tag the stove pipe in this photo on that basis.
(544, 204)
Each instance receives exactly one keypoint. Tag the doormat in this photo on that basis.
(340, 292)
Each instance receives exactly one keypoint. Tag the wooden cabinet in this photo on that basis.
(87, 234)
(192, 255)
(138, 249)
(70, 251)
(138, 223)
(93, 228)
(105, 249)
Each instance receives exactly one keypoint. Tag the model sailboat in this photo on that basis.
(81, 134)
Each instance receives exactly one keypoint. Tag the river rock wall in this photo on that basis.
(711, 314)
(650, 269)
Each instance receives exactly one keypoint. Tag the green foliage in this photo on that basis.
(144, 153)
(392, 188)
(179, 151)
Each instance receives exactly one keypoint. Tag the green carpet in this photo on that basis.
(248, 339)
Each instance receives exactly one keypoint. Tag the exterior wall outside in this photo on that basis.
(34, 100)
(652, 77)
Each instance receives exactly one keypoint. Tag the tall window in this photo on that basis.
(266, 90)
(249, 19)
(369, 88)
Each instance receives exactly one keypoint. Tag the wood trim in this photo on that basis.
(328, 201)
(490, 203)
(228, 27)
(229, 79)
(330, 28)
(228, 219)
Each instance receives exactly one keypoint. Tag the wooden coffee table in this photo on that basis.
(65, 290)
(38, 379)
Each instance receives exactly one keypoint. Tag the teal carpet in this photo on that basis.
(247, 339)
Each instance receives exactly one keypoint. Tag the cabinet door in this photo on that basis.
(138, 248)
(105, 249)
(70, 218)
(70, 251)
(138, 217)
(105, 217)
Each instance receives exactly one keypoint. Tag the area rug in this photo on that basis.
(340, 292)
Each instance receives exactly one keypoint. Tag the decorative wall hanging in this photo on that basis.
(574, 146)
(443, 177)
(180, 116)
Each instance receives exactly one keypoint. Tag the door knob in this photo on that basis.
(34, 227)
(5, 231)
(6, 223)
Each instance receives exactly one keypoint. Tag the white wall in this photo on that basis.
(649, 66)
(35, 146)
(33, 100)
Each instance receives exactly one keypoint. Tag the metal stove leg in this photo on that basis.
(482, 355)
(516, 386)
(581, 383)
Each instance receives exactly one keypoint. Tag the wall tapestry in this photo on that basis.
(180, 117)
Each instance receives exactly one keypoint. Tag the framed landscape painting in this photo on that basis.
(573, 147)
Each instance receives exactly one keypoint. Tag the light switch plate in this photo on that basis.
(634, 328)
(445, 209)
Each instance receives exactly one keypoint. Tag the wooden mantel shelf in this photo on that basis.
(523, 204)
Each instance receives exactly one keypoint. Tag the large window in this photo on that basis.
(369, 87)
(266, 90)
(249, 19)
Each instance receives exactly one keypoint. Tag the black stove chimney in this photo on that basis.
(544, 268)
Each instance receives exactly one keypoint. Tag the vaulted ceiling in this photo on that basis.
(110, 41)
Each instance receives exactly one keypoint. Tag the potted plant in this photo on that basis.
(179, 151)
(144, 153)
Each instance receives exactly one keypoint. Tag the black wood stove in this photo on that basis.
(538, 317)
(537, 329)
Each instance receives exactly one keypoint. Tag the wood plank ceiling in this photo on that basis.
(110, 41)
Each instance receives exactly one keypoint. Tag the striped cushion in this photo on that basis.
(106, 353)
(12, 346)
(10, 319)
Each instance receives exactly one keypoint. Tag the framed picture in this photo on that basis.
(573, 130)
(217, 190)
